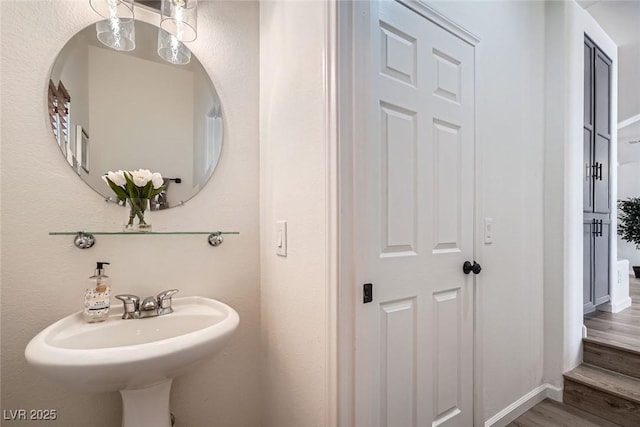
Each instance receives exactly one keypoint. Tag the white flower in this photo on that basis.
(157, 180)
(141, 177)
(116, 177)
(146, 184)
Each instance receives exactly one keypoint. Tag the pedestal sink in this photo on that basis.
(137, 357)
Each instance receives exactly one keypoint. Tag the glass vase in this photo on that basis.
(139, 209)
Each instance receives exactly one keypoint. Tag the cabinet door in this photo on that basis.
(587, 275)
(602, 133)
(587, 189)
(588, 298)
(601, 263)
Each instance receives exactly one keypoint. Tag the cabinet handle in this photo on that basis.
(597, 227)
(600, 178)
(588, 171)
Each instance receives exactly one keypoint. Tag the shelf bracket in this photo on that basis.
(215, 239)
(84, 240)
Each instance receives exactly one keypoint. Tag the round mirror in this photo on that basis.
(115, 110)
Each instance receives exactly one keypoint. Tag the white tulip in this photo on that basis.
(116, 177)
(141, 177)
(157, 180)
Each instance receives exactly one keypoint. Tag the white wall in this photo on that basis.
(629, 65)
(555, 113)
(43, 277)
(629, 186)
(509, 137)
(292, 188)
(566, 25)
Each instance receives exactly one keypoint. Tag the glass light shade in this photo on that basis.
(116, 33)
(122, 9)
(180, 18)
(171, 49)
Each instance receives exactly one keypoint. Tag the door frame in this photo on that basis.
(343, 99)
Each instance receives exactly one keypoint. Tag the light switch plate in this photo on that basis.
(488, 231)
(281, 238)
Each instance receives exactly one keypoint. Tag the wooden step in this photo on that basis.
(613, 355)
(608, 394)
(627, 334)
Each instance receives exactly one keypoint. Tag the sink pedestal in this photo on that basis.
(147, 406)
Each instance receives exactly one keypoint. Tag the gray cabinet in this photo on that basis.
(596, 129)
(596, 173)
(596, 291)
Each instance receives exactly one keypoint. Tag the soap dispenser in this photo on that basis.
(97, 297)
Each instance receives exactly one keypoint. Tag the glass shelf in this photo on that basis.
(106, 233)
(86, 239)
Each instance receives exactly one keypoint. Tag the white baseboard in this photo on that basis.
(554, 393)
(523, 404)
(615, 307)
(621, 305)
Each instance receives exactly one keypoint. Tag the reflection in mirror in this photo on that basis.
(113, 110)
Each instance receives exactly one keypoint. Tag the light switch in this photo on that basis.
(488, 231)
(281, 238)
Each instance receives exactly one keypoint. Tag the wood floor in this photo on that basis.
(553, 414)
(618, 328)
(613, 342)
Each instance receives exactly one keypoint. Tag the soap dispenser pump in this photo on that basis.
(97, 297)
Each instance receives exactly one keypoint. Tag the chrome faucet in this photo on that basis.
(150, 307)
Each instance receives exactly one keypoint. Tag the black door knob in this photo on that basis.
(467, 267)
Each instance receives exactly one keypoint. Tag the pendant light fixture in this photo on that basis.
(117, 30)
(110, 8)
(171, 49)
(178, 24)
(180, 18)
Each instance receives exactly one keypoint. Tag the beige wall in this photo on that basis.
(43, 277)
(292, 184)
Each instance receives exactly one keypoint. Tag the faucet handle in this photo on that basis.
(164, 298)
(131, 305)
(148, 304)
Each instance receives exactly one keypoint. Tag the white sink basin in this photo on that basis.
(132, 355)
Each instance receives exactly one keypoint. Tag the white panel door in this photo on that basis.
(414, 192)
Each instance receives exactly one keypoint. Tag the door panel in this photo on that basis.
(601, 264)
(601, 175)
(588, 84)
(587, 271)
(602, 99)
(587, 177)
(398, 171)
(447, 226)
(415, 202)
(398, 362)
